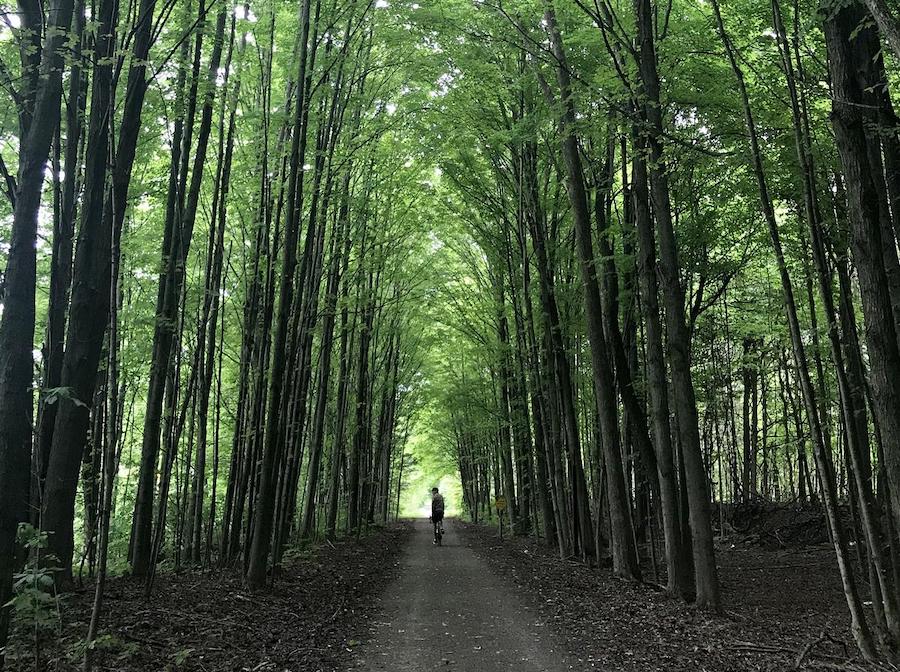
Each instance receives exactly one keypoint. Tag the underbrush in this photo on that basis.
(310, 618)
(784, 609)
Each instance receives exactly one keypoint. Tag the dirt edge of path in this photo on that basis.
(613, 625)
(319, 607)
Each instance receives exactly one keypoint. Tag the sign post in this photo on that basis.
(500, 505)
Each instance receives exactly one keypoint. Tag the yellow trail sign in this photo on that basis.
(500, 503)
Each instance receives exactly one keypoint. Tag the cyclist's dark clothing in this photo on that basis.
(437, 507)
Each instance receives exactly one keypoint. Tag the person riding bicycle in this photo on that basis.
(437, 511)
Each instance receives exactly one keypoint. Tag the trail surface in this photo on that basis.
(448, 610)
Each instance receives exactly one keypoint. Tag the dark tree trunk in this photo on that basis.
(822, 456)
(362, 433)
(679, 577)
(625, 561)
(749, 375)
(63, 233)
(171, 286)
(264, 514)
(340, 245)
(677, 333)
(849, 50)
(18, 319)
(89, 308)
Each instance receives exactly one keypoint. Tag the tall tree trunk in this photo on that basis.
(849, 49)
(63, 233)
(748, 373)
(823, 459)
(172, 284)
(504, 445)
(625, 561)
(851, 400)
(209, 317)
(340, 248)
(336, 458)
(635, 416)
(362, 432)
(89, 308)
(18, 319)
(263, 521)
(677, 334)
(679, 575)
(110, 444)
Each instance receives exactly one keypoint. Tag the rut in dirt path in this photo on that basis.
(448, 610)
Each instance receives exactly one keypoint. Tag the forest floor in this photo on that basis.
(319, 609)
(785, 609)
(392, 602)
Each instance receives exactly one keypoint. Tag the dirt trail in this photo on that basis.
(448, 610)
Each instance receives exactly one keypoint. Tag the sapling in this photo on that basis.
(35, 602)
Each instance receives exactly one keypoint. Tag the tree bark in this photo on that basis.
(263, 522)
(677, 333)
(848, 55)
(18, 319)
(89, 309)
(172, 284)
(625, 561)
(823, 459)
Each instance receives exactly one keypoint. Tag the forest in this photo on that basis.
(271, 269)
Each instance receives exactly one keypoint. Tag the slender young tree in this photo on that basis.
(258, 556)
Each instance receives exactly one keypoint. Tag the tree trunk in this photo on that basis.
(679, 575)
(848, 54)
(263, 522)
(172, 283)
(89, 309)
(677, 334)
(340, 249)
(61, 271)
(18, 319)
(823, 459)
(625, 561)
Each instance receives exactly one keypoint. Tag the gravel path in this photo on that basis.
(448, 610)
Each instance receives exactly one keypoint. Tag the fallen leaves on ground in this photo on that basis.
(784, 611)
(309, 621)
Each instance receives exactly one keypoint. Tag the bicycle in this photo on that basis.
(438, 531)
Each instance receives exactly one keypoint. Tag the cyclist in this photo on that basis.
(437, 513)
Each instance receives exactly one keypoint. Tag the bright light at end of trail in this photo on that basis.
(381, 4)
(243, 12)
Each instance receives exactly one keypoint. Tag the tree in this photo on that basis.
(39, 117)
